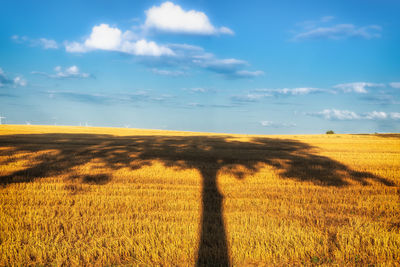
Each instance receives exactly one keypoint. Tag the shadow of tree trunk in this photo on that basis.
(213, 249)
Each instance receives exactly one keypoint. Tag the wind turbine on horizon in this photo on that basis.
(1, 117)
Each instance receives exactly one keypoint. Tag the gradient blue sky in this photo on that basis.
(258, 67)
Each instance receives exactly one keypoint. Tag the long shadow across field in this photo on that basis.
(207, 154)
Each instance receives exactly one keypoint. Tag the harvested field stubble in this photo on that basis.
(103, 196)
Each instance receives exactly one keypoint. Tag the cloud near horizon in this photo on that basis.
(336, 114)
(277, 124)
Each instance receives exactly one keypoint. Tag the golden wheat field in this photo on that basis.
(73, 196)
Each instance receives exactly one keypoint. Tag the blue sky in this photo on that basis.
(269, 67)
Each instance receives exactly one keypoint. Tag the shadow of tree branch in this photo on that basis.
(207, 154)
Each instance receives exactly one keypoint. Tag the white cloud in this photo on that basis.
(104, 37)
(43, 42)
(69, 72)
(173, 73)
(75, 47)
(339, 31)
(357, 87)
(335, 114)
(145, 48)
(276, 124)
(395, 85)
(169, 17)
(13, 82)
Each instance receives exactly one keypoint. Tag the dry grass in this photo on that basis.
(103, 196)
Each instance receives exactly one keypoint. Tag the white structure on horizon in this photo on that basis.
(1, 117)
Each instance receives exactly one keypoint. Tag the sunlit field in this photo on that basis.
(104, 196)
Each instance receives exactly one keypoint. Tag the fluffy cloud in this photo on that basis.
(42, 42)
(60, 73)
(104, 37)
(357, 87)
(13, 82)
(335, 114)
(319, 30)
(395, 85)
(169, 17)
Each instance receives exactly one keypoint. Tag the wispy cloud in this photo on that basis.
(314, 30)
(292, 91)
(395, 85)
(42, 42)
(198, 90)
(173, 73)
(382, 98)
(60, 73)
(336, 114)
(172, 18)
(247, 74)
(357, 87)
(256, 95)
(6, 81)
(190, 56)
(192, 105)
(79, 97)
(249, 97)
(273, 124)
(120, 98)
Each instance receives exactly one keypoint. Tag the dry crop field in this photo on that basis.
(104, 196)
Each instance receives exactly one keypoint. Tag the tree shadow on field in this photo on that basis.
(208, 154)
